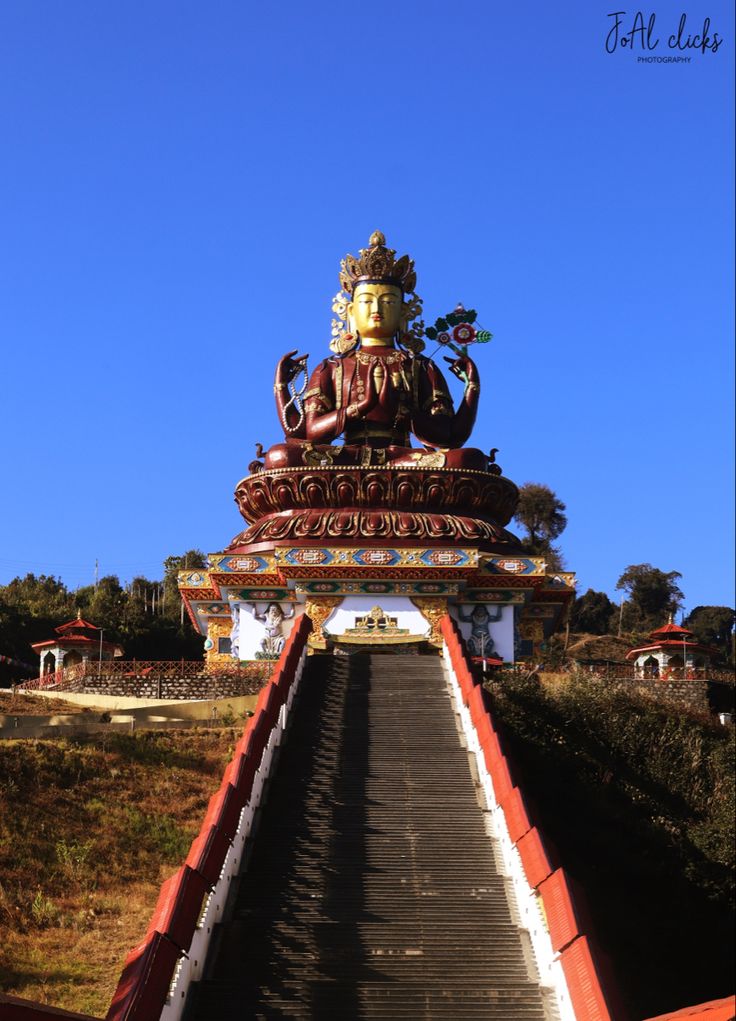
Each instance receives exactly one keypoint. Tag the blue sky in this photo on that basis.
(180, 180)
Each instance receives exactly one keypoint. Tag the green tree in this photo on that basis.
(593, 613)
(145, 617)
(193, 558)
(542, 515)
(103, 604)
(651, 595)
(713, 625)
(14, 643)
(42, 596)
(144, 601)
(162, 638)
(30, 609)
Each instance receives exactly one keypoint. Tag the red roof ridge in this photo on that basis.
(78, 624)
(670, 629)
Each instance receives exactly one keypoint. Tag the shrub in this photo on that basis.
(73, 859)
(638, 797)
(43, 910)
(159, 834)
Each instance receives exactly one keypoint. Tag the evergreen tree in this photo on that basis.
(713, 625)
(593, 613)
(193, 558)
(542, 515)
(43, 596)
(651, 595)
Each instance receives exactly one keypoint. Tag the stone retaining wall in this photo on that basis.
(691, 693)
(705, 696)
(701, 695)
(186, 688)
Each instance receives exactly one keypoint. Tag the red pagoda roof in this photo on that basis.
(72, 640)
(672, 644)
(669, 629)
(671, 637)
(76, 633)
(78, 624)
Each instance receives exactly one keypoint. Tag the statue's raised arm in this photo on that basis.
(289, 400)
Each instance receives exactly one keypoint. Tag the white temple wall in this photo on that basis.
(249, 632)
(401, 607)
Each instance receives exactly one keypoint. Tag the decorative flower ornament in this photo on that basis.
(460, 321)
(464, 333)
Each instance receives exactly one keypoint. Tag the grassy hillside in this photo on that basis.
(89, 828)
(14, 704)
(638, 798)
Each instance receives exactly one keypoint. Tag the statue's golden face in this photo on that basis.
(376, 312)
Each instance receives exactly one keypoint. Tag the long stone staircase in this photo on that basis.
(372, 889)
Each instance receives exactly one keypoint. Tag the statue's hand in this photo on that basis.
(377, 394)
(388, 397)
(464, 368)
(289, 367)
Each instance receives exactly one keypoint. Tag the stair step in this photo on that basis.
(371, 891)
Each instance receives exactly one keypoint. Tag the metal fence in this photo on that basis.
(145, 669)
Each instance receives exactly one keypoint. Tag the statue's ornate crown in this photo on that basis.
(378, 263)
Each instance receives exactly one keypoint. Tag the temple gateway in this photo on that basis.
(373, 516)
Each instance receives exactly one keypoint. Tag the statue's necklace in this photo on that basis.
(364, 358)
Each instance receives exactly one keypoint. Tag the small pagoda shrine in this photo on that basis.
(77, 641)
(373, 537)
(672, 650)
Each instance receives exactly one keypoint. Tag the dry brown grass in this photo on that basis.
(89, 828)
(37, 705)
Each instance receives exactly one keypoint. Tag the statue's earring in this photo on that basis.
(346, 342)
(352, 333)
(411, 339)
(343, 341)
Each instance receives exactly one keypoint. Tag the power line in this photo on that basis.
(75, 566)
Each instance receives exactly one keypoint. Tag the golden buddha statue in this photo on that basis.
(377, 389)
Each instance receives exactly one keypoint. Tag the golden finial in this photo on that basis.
(377, 238)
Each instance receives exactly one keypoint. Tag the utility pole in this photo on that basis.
(181, 608)
(621, 616)
(97, 572)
